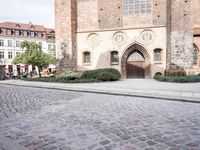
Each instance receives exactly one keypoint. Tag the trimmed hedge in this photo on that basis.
(61, 80)
(178, 79)
(97, 75)
(106, 74)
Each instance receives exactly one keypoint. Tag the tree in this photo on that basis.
(33, 55)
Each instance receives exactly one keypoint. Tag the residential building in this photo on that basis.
(140, 38)
(12, 34)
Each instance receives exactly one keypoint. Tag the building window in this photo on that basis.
(10, 56)
(10, 68)
(39, 34)
(17, 25)
(17, 43)
(25, 33)
(8, 32)
(1, 42)
(195, 55)
(32, 27)
(17, 53)
(158, 55)
(114, 57)
(17, 32)
(134, 7)
(1, 55)
(10, 43)
(86, 57)
(32, 34)
(49, 47)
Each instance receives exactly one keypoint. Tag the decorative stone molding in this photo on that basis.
(147, 36)
(119, 38)
(93, 40)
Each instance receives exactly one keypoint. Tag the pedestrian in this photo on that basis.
(31, 74)
(15, 74)
(11, 75)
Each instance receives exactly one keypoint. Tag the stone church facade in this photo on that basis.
(140, 38)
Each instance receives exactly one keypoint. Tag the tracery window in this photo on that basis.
(135, 7)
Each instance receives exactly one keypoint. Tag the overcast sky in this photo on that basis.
(25, 11)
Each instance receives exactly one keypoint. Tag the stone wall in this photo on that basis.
(105, 42)
(94, 15)
(159, 12)
(66, 26)
(196, 14)
(87, 15)
(110, 14)
(94, 23)
(180, 34)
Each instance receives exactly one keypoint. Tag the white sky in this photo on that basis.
(39, 12)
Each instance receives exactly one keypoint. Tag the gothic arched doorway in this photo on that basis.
(135, 66)
(136, 62)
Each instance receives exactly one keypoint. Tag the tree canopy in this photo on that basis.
(33, 55)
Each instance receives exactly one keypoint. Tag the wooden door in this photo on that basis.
(135, 69)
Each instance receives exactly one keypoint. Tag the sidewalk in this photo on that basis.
(149, 88)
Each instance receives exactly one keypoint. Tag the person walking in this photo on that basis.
(15, 74)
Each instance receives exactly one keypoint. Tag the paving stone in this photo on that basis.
(193, 144)
(37, 141)
(104, 142)
(60, 120)
(93, 146)
(125, 137)
(151, 143)
(99, 149)
(142, 138)
(151, 148)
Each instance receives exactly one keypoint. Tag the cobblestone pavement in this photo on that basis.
(39, 119)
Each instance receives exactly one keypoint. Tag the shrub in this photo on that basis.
(97, 75)
(60, 80)
(107, 74)
(178, 79)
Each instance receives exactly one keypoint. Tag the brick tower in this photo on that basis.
(66, 26)
(180, 34)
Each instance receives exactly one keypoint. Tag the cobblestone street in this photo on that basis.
(39, 119)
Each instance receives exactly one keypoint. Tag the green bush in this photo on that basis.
(178, 79)
(106, 74)
(61, 80)
(87, 77)
(70, 73)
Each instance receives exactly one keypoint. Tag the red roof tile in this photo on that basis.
(50, 30)
(22, 26)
